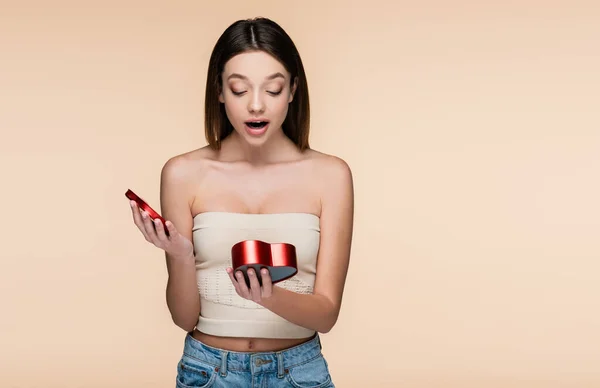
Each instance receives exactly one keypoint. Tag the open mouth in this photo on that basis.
(256, 124)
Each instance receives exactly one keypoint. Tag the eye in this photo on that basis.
(238, 93)
(275, 93)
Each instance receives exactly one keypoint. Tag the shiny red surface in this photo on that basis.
(263, 254)
(144, 206)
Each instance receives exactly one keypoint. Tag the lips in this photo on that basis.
(257, 123)
(256, 127)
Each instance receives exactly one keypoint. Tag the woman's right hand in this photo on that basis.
(153, 231)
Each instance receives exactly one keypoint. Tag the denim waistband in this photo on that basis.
(253, 362)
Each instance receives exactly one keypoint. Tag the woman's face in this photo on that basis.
(256, 93)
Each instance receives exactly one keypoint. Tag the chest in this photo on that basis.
(268, 190)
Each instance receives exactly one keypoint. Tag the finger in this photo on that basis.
(149, 227)
(267, 283)
(254, 286)
(160, 231)
(173, 233)
(242, 285)
(234, 281)
(137, 219)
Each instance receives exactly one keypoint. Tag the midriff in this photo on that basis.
(238, 344)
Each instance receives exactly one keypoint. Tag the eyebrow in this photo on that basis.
(271, 77)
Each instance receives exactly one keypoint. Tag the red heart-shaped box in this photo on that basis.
(278, 258)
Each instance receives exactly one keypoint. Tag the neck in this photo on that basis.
(235, 148)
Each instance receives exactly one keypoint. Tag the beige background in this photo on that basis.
(474, 136)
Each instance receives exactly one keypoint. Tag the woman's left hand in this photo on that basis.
(255, 292)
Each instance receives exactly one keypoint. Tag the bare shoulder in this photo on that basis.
(188, 167)
(332, 170)
(333, 180)
(178, 182)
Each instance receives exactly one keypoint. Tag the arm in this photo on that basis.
(320, 310)
(183, 299)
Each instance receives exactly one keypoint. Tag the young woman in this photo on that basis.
(257, 179)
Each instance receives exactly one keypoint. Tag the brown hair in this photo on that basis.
(265, 35)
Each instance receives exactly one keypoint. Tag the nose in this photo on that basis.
(256, 104)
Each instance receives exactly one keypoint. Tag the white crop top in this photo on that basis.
(222, 311)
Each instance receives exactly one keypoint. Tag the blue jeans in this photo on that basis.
(301, 366)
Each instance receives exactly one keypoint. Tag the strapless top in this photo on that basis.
(222, 311)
